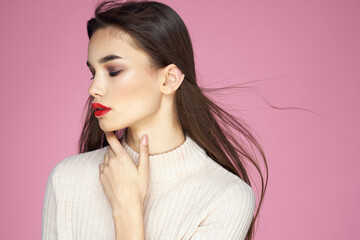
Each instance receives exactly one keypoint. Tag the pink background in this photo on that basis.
(306, 53)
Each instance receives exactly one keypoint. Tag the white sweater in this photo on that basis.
(190, 197)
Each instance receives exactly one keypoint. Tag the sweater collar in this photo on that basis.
(174, 164)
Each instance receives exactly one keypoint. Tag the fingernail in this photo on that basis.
(145, 140)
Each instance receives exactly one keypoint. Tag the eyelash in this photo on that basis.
(112, 74)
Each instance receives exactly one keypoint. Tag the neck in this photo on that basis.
(175, 164)
(159, 141)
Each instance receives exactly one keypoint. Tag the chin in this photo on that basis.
(107, 128)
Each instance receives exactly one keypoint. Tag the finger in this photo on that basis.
(143, 166)
(111, 152)
(101, 168)
(114, 143)
(106, 159)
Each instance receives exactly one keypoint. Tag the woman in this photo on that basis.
(154, 162)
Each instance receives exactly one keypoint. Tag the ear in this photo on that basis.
(173, 77)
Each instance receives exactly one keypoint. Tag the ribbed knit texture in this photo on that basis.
(190, 197)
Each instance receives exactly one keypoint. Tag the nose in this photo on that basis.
(96, 89)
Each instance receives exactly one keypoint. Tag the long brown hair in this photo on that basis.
(159, 31)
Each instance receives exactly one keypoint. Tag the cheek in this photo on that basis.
(136, 95)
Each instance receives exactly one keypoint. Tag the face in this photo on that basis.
(128, 85)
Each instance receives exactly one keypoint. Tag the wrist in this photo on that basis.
(129, 223)
(131, 211)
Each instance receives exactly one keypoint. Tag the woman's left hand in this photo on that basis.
(124, 183)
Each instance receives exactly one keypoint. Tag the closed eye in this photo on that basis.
(111, 74)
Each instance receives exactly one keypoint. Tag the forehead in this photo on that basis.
(111, 40)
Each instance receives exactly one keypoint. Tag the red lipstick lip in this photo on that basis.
(98, 105)
(98, 113)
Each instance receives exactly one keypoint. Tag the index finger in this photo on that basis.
(114, 143)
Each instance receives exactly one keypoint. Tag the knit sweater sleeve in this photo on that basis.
(229, 216)
(48, 227)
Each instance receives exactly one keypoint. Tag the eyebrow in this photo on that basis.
(106, 59)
